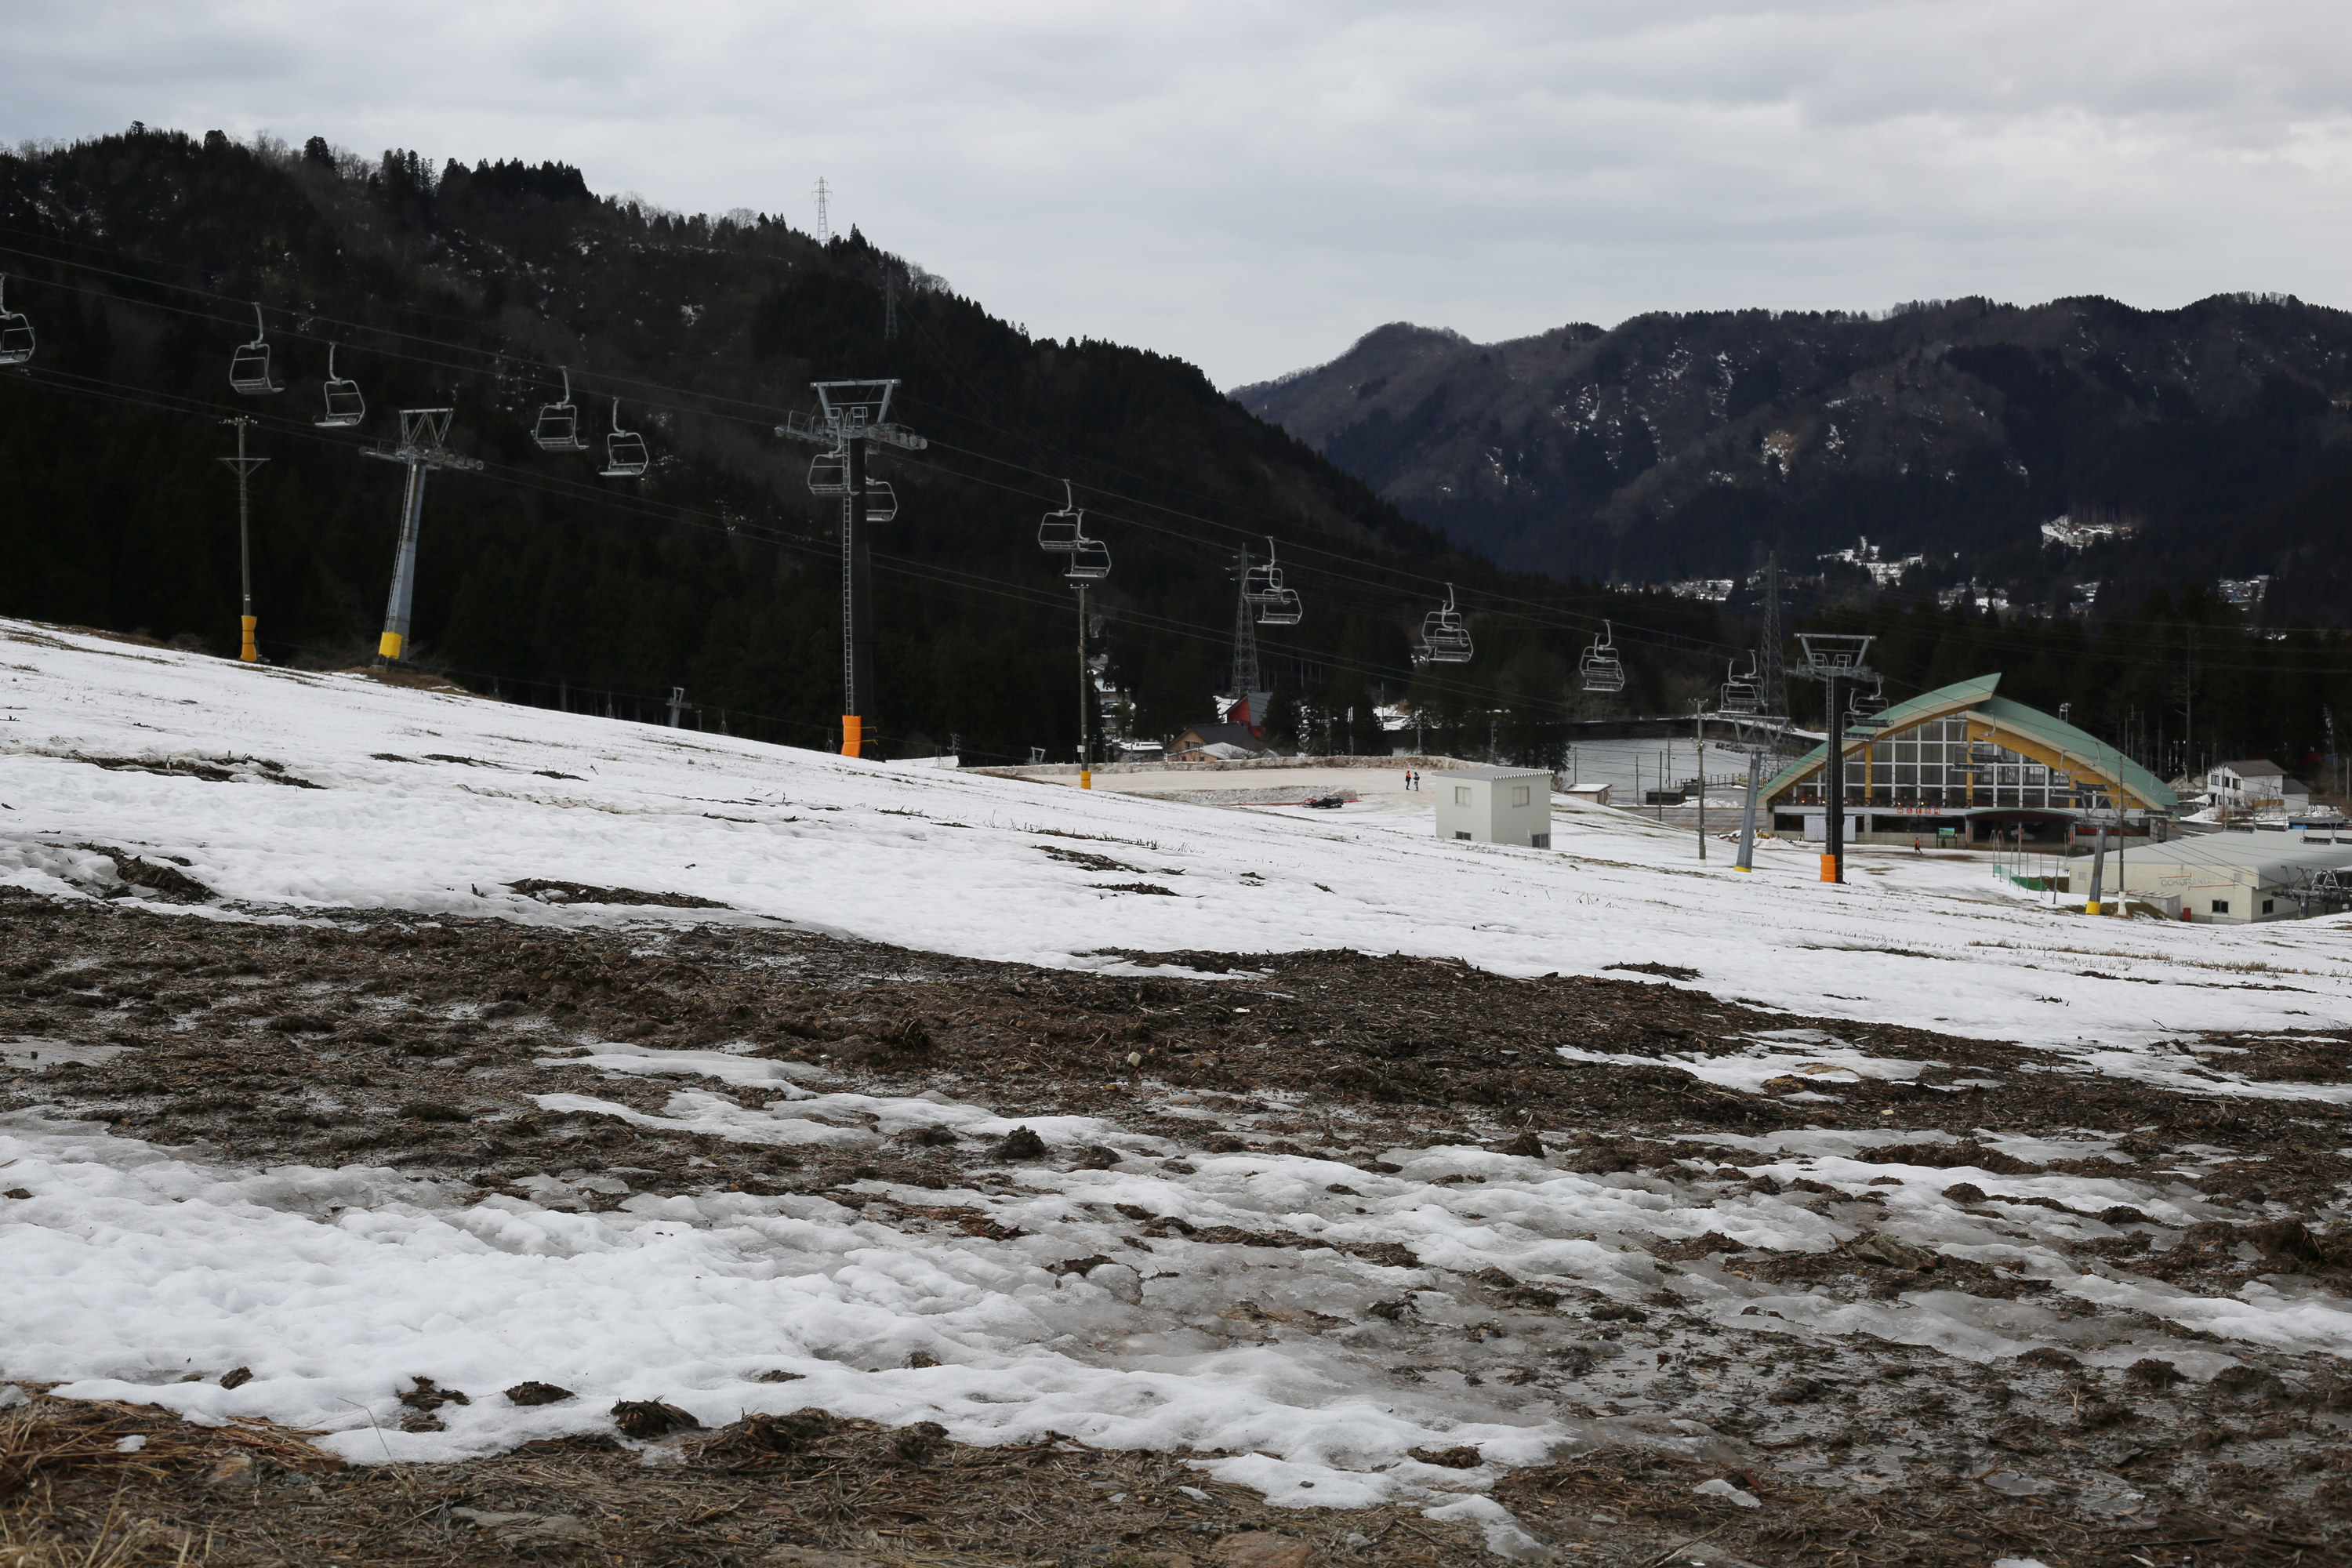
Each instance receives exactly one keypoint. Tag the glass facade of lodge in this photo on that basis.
(1933, 764)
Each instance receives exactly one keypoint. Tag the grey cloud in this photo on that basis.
(1252, 186)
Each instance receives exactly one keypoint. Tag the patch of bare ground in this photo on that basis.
(803, 1490)
(390, 1041)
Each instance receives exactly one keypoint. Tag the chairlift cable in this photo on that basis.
(918, 571)
(961, 581)
(498, 359)
(495, 361)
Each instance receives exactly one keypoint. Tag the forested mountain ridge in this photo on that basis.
(140, 258)
(1671, 445)
(137, 257)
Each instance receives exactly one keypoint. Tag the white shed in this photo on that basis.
(1494, 805)
(2227, 878)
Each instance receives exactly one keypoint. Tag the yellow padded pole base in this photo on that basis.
(2093, 907)
(1829, 868)
(388, 645)
(1086, 778)
(248, 653)
(853, 735)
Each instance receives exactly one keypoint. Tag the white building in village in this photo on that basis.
(1494, 805)
(2256, 784)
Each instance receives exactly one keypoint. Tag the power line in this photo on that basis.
(496, 362)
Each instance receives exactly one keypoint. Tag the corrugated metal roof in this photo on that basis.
(1976, 695)
(1487, 773)
(2269, 856)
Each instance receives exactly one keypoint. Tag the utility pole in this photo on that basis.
(850, 414)
(824, 217)
(244, 466)
(1698, 723)
(422, 449)
(1063, 532)
(1085, 683)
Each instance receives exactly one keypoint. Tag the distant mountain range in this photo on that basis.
(2217, 438)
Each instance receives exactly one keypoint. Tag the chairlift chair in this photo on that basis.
(1283, 609)
(624, 450)
(1276, 605)
(1742, 692)
(828, 473)
(249, 368)
(558, 426)
(1863, 702)
(15, 331)
(1444, 639)
(1263, 584)
(1090, 562)
(881, 501)
(1063, 530)
(1600, 669)
(345, 406)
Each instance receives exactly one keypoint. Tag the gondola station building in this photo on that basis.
(1963, 765)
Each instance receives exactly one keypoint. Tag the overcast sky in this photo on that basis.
(1253, 186)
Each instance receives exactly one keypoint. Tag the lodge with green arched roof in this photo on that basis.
(1960, 762)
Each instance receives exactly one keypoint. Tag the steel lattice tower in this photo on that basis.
(1775, 686)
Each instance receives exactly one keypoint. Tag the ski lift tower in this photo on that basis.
(849, 415)
(1838, 660)
(1757, 733)
(424, 435)
(1760, 736)
(244, 466)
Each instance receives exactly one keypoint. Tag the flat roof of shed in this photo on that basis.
(1487, 773)
(2261, 853)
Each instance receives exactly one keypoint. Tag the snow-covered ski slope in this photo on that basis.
(131, 1266)
(432, 803)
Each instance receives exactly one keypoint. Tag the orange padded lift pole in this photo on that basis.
(245, 467)
(1833, 786)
